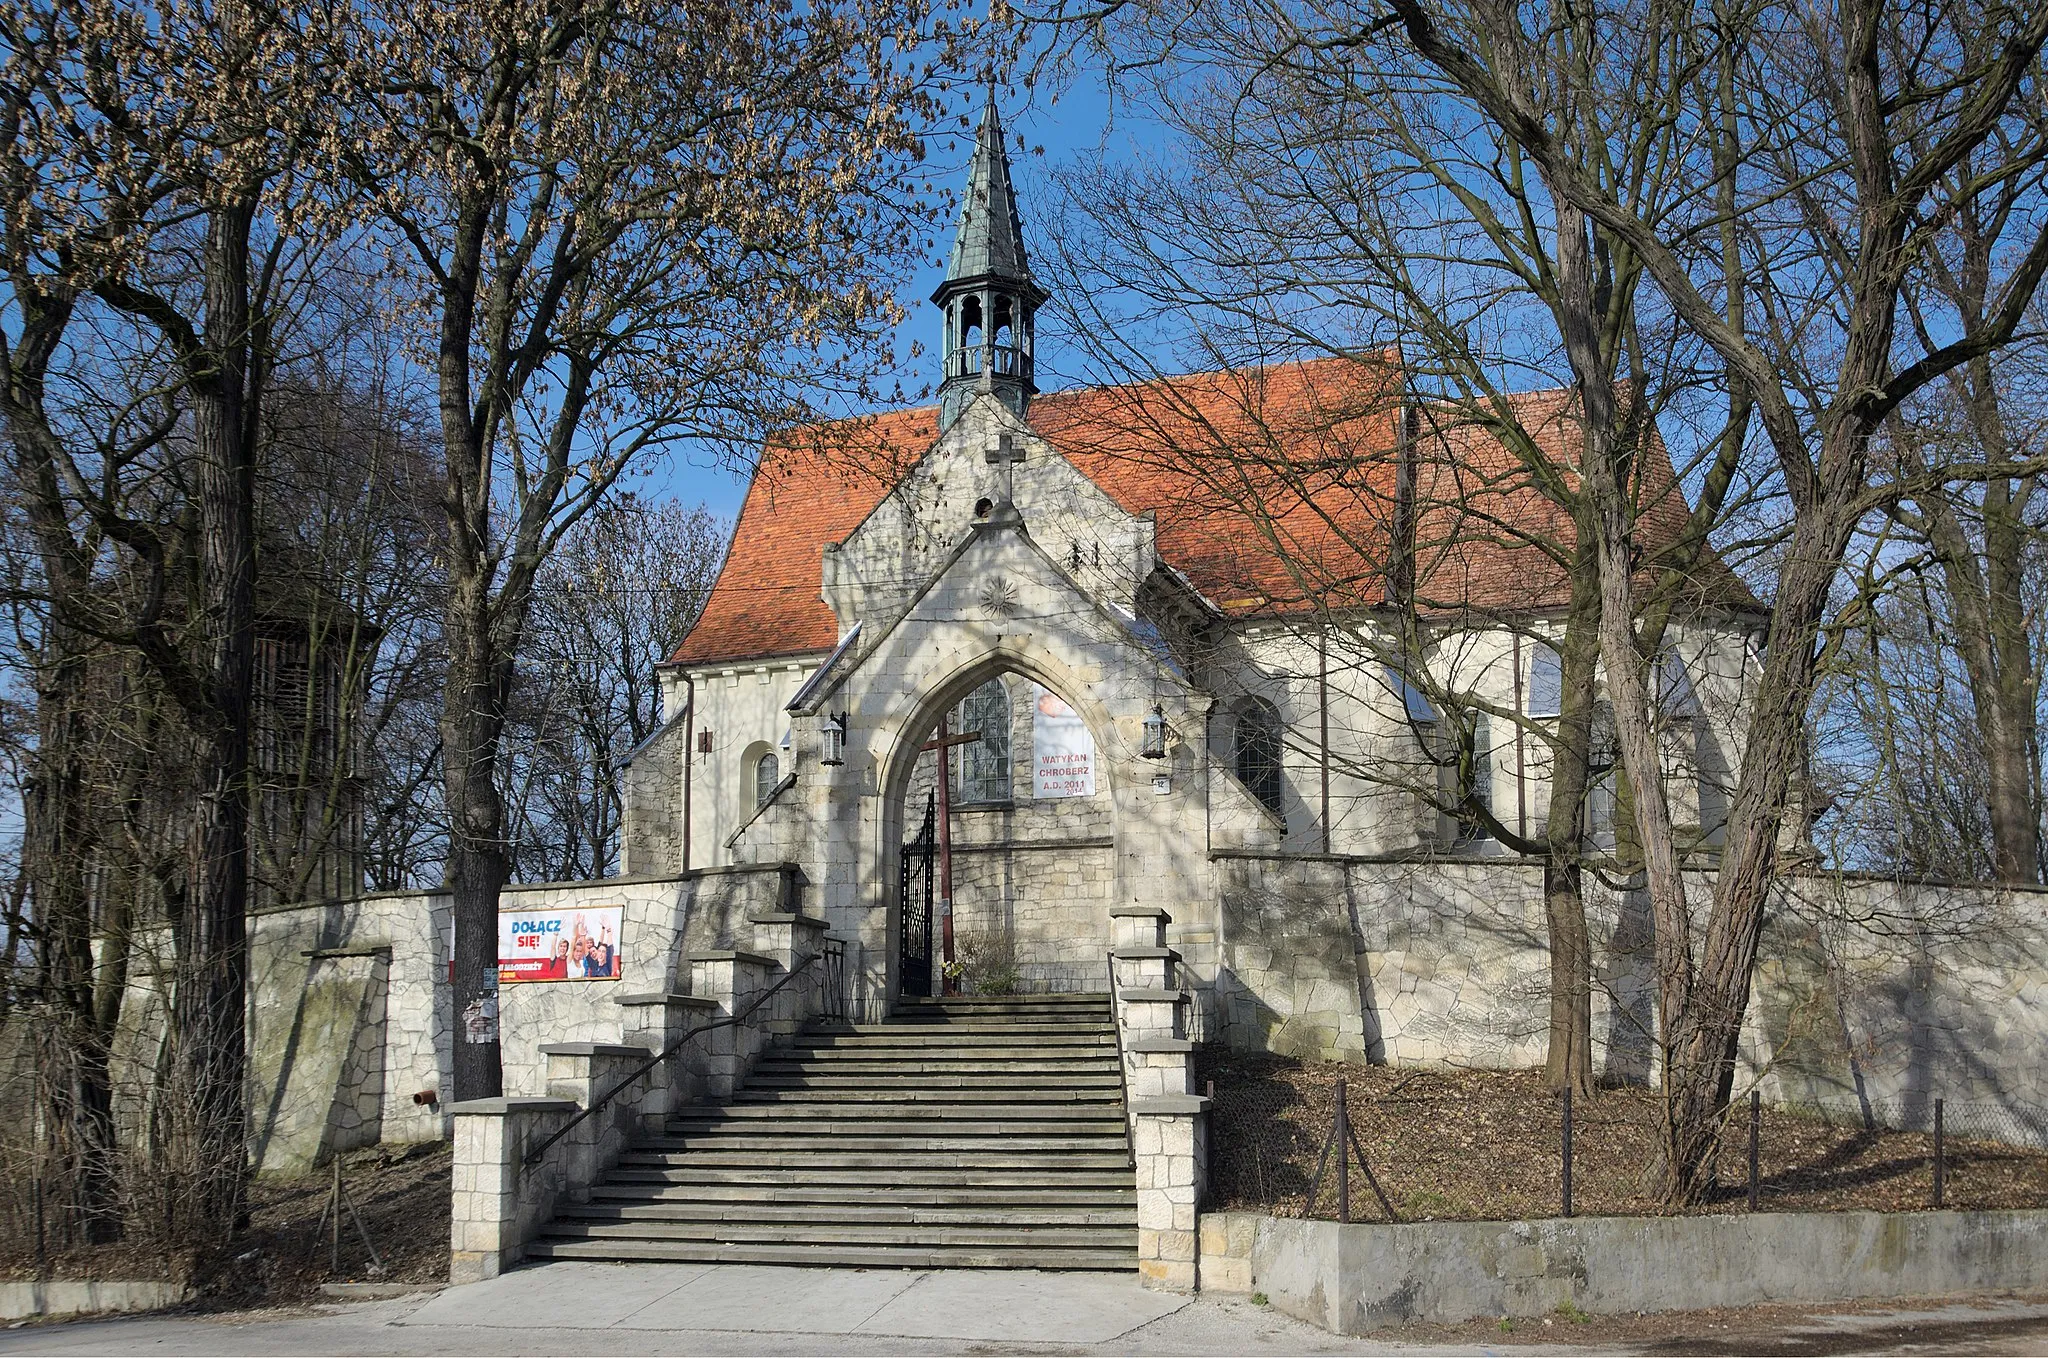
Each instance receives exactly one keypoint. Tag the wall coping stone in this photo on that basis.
(733, 955)
(1170, 1105)
(591, 1049)
(736, 869)
(1140, 995)
(672, 999)
(1142, 954)
(1159, 1044)
(787, 917)
(499, 1107)
(1139, 912)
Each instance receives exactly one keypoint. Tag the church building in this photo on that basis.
(1156, 633)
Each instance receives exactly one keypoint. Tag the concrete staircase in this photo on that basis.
(962, 1133)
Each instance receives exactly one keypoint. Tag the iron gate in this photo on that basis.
(915, 949)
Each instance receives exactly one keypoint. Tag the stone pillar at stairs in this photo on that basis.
(1171, 1152)
(791, 940)
(1169, 1125)
(731, 979)
(498, 1201)
(655, 1021)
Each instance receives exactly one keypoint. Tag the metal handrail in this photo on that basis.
(1123, 1070)
(533, 1156)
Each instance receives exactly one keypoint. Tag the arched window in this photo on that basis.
(1256, 751)
(767, 773)
(985, 764)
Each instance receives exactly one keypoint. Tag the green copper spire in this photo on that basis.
(988, 237)
(988, 297)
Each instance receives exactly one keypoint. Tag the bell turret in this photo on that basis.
(988, 300)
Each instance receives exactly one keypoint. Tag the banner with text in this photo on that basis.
(560, 945)
(1063, 763)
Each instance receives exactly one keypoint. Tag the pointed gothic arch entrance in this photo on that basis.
(1034, 860)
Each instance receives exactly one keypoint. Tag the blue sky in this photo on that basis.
(1075, 127)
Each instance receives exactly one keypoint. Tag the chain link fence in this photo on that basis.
(1449, 1145)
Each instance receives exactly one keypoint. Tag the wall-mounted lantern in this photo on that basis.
(1154, 744)
(834, 732)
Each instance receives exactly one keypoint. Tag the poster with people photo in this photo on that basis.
(560, 945)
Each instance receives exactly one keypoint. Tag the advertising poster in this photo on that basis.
(560, 945)
(1063, 763)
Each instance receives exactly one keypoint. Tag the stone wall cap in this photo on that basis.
(503, 1106)
(667, 997)
(1170, 1106)
(591, 1049)
(1139, 912)
(1140, 996)
(733, 955)
(787, 917)
(1142, 954)
(1159, 1044)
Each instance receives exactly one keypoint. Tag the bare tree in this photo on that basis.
(1314, 204)
(613, 602)
(614, 225)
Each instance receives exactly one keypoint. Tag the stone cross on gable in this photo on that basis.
(1003, 457)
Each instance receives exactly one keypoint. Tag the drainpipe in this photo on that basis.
(1521, 723)
(1323, 696)
(689, 756)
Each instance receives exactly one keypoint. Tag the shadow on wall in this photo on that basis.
(324, 1064)
(1625, 974)
(1289, 939)
(1881, 997)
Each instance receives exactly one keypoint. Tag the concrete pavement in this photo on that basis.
(622, 1309)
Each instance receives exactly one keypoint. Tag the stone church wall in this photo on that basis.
(1873, 997)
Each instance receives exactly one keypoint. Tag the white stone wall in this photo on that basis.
(1872, 997)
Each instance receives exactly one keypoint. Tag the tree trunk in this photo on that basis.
(208, 1009)
(61, 839)
(472, 722)
(61, 847)
(1568, 1064)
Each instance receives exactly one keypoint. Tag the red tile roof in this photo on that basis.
(1270, 487)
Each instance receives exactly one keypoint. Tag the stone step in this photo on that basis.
(994, 1010)
(841, 1233)
(892, 1159)
(841, 1143)
(846, 1256)
(947, 1036)
(984, 1052)
(992, 1081)
(1064, 1196)
(717, 1216)
(1042, 1102)
(952, 1178)
(920, 1064)
(865, 1120)
(965, 1133)
(792, 1112)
